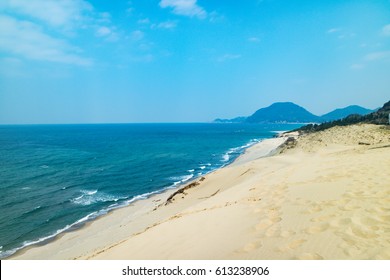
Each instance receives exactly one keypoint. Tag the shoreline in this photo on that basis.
(156, 196)
(325, 196)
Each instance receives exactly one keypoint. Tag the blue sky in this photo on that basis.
(78, 61)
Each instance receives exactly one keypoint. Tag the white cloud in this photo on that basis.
(184, 7)
(333, 30)
(107, 33)
(143, 21)
(103, 31)
(386, 30)
(215, 17)
(104, 17)
(377, 56)
(28, 40)
(137, 35)
(357, 66)
(340, 33)
(228, 56)
(59, 13)
(254, 39)
(129, 11)
(167, 25)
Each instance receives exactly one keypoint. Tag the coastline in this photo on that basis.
(324, 197)
(135, 210)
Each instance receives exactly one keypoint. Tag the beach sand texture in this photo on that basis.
(328, 197)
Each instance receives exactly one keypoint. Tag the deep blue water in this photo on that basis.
(55, 177)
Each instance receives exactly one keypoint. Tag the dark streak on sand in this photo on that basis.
(179, 191)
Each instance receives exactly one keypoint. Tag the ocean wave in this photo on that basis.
(33, 210)
(50, 236)
(89, 197)
(89, 217)
(89, 192)
(279, 131)
(234, 152)
(181, 179)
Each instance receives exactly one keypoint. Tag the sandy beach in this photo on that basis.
(325, 196)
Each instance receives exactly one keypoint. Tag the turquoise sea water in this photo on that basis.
(54, 178)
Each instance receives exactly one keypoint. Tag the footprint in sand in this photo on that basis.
(287, 233)
(366, 221)
(348, 206)
(252, 246)
(313, 209)
(324, 218)
(353, 251)
(296, 243)
(363, 232)
(276, 219)
(274, 216)
(378, 210)
(274, 231)
(310, 256)
(337, 223)
(317, 228)
(266, 223)
(292, 245)
(385, 219)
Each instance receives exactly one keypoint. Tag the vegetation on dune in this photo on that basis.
(381, 116)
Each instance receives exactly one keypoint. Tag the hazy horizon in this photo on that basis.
(151, 122)
(188, 61)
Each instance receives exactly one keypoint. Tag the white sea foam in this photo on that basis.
(84, 201)
(89, 197)
(225, 157)
(181, 179)
(237, 150)
(187, 177)
(89, 192)
(44, 166)
(191, 170)
(42, 239)
(202, 167)
(145, 196)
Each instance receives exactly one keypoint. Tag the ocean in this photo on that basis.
(54, 178)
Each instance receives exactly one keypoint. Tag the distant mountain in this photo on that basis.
(282, 112)
(235, 120)
(288, 112)
(344, 112)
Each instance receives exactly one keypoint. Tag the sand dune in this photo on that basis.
(326, 198)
